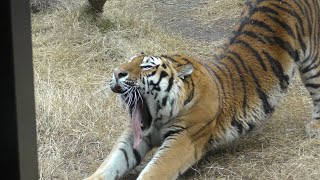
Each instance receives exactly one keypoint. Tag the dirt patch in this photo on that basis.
(183, 18)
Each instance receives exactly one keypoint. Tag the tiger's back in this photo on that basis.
(275, 39)
(180, 103)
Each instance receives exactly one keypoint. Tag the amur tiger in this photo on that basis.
(180, 104)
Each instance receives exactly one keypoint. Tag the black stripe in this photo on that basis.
(309, 15)
(255, 23)
(170, 83)
(152, 74)
(315, 86)
(215, 75)
(311, 93)
(278, 71)
(314, 76)
(284, 45)
(197, 135)
(316, 101)
(285, 3)
(125, 155)
(242, 25)
(265, 9)
(235, 123)
(230, 74)
(163, 74)
(158, 107)
(240, 60)
(305, 12)
(171, 105)
(164, 100)
(266, 106)
(299, 6)
(243, 82)
(163, 147)
(292, 13)
(253, 35)
(220, 69)
(186, 60)
(255, 52)
(302, 44)
(284, 25)
(261, 24)
(191, 94)
(137, 156)
(311, 66)
(315, 39)
(172, 132)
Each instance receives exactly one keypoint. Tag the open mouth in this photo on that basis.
(137, 106)
(140, 115)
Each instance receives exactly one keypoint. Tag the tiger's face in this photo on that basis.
(148, 76)
(150, 87)
(139, 74)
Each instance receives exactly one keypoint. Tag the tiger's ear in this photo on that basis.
(184, 70)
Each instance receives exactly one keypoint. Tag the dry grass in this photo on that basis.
(78, 118)
(218, 9)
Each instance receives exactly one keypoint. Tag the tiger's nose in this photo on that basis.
(119, 73)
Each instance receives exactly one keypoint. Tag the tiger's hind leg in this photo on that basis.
(310, 76)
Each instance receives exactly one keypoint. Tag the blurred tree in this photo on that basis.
(97, 4)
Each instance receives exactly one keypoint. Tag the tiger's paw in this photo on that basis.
(313, 129)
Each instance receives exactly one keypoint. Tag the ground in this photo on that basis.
(79, 118)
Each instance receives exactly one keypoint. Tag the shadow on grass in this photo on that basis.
(95, 18)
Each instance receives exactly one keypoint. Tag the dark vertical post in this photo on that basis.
(17, 112)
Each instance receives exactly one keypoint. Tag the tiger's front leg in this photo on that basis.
(122, 158)
(175, 156)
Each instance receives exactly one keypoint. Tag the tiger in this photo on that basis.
(181, 105)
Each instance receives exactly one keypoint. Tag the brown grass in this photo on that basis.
(78, 118)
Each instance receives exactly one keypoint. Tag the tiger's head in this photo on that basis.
(150, 86)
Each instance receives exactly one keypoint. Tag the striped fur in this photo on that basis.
(189, 103)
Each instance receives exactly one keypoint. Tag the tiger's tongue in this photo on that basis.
(136, 126)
